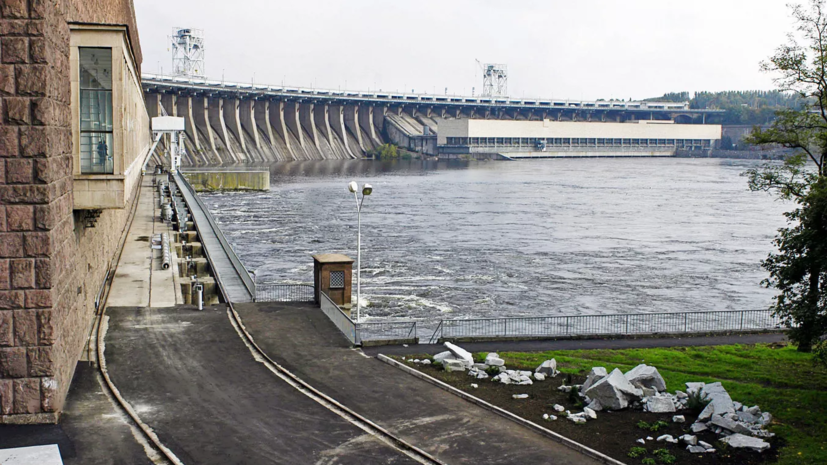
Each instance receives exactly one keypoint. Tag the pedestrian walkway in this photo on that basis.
(302, 339)
(140, 281)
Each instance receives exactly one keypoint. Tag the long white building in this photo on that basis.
(547, 138)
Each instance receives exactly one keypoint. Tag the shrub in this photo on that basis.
(636, 452)
(652, 426)
(648, 461)
(664, 456)
(492, 371)
(574, 397)
(820, 353)
(696, 402)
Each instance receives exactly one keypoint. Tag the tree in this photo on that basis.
(799, 269)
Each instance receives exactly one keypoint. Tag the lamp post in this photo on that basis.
(366, 191)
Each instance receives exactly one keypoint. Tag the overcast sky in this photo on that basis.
(583, 49)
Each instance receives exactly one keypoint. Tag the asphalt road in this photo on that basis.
(191, 378)
(302, 339)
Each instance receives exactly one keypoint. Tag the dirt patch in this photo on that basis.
(613, 433)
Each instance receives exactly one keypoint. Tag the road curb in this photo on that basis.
(503, 413)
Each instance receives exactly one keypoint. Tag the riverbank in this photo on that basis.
(774, 376)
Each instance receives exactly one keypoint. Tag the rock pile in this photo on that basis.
(642, 387)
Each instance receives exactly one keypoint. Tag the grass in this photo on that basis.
(778, 379)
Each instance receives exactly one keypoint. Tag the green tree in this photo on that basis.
(799, 269)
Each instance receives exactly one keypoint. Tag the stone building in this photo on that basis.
(74, 135)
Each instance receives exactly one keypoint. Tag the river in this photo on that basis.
(533, 237)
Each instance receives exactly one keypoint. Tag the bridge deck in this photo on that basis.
(221, 255)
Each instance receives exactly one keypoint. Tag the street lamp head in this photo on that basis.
(352, 186)
(367, 189)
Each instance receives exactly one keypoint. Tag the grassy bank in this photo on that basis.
(777, 378)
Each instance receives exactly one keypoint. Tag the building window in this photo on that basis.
(96, 138)
(337, 279)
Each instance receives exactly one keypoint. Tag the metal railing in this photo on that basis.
(338, 317)
(241, 270)
(603, 325)
(267, 292)
(387, 330)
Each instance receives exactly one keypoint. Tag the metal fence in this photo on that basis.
(266, 292)
(386, 330)
(338, 317)
(614, 324)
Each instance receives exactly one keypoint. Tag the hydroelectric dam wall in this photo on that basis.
(241, 123)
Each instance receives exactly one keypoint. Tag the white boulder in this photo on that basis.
(595, 375)
(595, 405)
(548, 368)
(678, 419)
(646, 376)
(660, 404)
(719, 401)
(520, 396)
(452, 364)
(461, 354)
(747, 442)
(494, 360)
(438, 358)
(612, 391)
(559, 408)
(590, 414)
(689, 439)
(692, 388)
(539, 377)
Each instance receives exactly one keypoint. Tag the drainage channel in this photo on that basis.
(302, 386)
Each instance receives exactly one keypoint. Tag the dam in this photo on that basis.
(243, 123)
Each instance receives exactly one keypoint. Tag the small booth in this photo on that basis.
(332, 275)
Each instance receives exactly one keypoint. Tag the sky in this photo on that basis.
(576, 49)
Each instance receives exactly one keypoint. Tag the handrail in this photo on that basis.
(275, 292)
(611, 324)
(241, 270)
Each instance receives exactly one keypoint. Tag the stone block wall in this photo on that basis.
(51, 264)
(35, 205)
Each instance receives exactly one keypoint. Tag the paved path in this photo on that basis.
(192, 379)
(221, 261)
(302, 339)
(91, 430)
(578, 344)
(139, 280)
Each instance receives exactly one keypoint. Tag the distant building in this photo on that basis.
(75, 133)
(483, 138)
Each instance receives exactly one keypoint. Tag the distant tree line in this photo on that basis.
(748, 107)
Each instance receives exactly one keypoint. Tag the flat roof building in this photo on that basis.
(547, 138)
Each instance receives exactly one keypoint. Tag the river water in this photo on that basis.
(533, 237)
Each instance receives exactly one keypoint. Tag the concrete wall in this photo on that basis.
(229, 180)
(52, 263)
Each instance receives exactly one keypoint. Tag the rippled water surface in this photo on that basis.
(563, 236)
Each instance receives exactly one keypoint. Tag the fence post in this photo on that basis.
(568, 328)
(742, 320)
(685, 318)
(627, 325)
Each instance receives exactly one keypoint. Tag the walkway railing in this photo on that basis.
(387, 330)
(242, 272)
(284, 293)
(600, 325)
